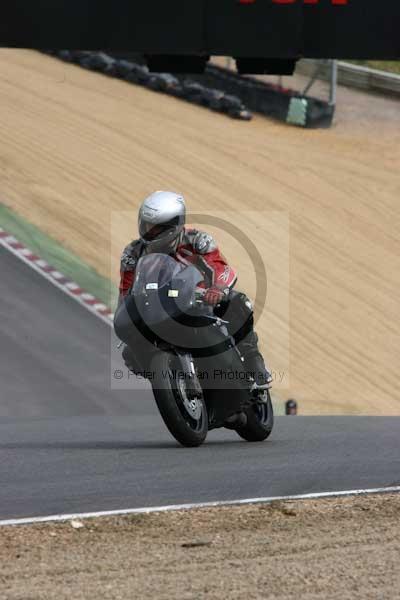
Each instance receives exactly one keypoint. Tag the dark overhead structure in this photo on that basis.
(263, 35)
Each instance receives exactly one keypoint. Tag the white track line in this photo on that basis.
(175, 507)
(53, 276)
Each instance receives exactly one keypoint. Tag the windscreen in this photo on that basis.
(154, 271)
(164, 287)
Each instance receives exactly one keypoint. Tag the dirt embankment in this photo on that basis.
(345, 549)
(77, 147)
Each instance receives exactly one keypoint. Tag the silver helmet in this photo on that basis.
(161, 221)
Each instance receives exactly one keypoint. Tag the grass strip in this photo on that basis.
(56, 255)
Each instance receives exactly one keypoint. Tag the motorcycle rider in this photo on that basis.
(161, 224)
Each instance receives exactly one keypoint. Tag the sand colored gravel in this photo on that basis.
(76, 146)
(338, 549)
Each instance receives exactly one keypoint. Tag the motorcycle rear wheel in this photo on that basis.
(186, 419)
(260, 421)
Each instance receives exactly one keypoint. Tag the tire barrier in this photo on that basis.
(271, 100)
(138, 74)
(218, 89)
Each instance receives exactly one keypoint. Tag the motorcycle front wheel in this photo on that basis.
(186, 418)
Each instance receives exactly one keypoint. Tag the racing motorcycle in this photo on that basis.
(196, 371)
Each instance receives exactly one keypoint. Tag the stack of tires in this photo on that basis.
(139, 74)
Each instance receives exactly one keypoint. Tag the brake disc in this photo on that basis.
(193, 406)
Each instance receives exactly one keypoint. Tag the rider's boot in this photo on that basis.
(262, 377)
(254, 362)
(255, 366)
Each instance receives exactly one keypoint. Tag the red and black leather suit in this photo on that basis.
(199, 248)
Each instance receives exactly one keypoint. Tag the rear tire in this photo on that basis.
(260, 421)
(186, 421)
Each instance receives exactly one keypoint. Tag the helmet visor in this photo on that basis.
(149, 232)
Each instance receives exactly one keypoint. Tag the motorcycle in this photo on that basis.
(195, 368)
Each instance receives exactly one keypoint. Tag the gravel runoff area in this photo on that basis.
(333, 548)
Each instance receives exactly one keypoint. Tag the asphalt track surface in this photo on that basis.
(69, 443)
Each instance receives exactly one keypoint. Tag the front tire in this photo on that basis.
(260, 421)
(186, 420)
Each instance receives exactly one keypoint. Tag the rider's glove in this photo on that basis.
(213, 296)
